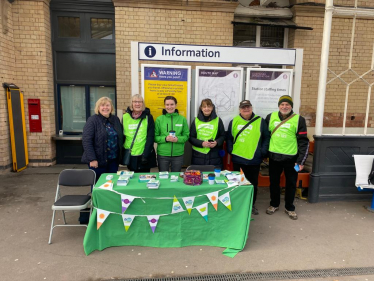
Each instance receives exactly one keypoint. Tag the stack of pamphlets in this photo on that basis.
(153, 184)
(220, 182)
(174, 178)
(163, 175)
(225, 173)
(123, 180)
(146, 178)
(205, 177)
(126, 173)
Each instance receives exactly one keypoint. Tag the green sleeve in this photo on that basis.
(158, 135)
(185, 132)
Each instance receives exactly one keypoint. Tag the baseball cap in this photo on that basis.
(245, 103)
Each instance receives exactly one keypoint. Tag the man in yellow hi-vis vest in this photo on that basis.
(288, 151)
(248, 143)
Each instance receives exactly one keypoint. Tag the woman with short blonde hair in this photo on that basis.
(139, 134)
(102, 139)
(102, 101)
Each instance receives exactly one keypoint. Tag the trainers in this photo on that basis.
(254, 211)
(271, 210)
(291, 214)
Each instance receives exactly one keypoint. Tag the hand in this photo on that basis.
(94, 164)
(301, 167)
(169, 138)
(206, 144)
(174, 139)
(212, 144)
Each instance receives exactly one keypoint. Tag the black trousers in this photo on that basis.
(275, 170)
(251, 173)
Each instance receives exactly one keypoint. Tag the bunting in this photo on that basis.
(101, 217)
(177, 207)
(108, 185)
(127, 221)
(203, 210)
(126, 200)
(241, 176)
(213, 198)
(153, 220)
(225, 199)
(188, 202)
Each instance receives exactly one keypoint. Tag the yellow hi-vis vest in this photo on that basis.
(206, 131)
(247, 142)
(284, 140)
(129, 128)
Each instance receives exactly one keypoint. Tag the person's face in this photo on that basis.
(206, 109)
(246, 111)
(170, 106)
(137, 105)
(105, 109)
(285, 108)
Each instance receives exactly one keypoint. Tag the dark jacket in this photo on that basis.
(148, 159)
(302, 142)
(213, 157)
(262, 148)
(94, 139)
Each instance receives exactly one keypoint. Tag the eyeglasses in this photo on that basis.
(137, 101)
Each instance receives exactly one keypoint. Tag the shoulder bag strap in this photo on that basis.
(281, 123)
(246, 125)
(137, 129)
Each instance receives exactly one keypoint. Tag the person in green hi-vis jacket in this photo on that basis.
(288, 151)
(171, 133)
(207, 134)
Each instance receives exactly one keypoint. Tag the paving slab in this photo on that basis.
(326, 235)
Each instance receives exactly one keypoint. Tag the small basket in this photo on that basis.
(193, 177)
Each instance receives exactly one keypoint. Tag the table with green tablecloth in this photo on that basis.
(221, 228)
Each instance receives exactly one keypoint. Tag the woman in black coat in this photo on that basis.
(102, 139)
(207, 151)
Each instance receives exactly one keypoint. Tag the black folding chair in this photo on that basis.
(72, 178)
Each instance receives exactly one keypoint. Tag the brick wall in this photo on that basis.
(165, 26)
(349, 3)
(28, 49)
(7, 61)
(311, 42)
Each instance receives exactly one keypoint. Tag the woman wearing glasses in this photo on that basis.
(139, 132)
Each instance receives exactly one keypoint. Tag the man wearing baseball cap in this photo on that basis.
(248, 142)
(288, 151)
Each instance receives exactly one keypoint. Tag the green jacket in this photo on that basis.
(166, 123)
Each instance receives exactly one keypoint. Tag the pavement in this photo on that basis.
(327, 235)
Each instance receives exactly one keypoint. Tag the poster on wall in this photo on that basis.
(159, 81)
(265, 87)
(223, 85)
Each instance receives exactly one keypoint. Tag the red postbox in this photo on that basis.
(35, 117)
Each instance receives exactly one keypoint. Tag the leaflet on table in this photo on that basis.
(125, 173)
(163, 175)
(174, 178)
(146, 178)
(123, 180)
(153, 184)
(220, 182)
(236, 178)
(225, 173)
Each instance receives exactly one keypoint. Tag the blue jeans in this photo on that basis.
(164, 162)
(111, 167)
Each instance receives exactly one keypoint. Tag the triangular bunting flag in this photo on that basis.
(177, 207)
(213, 198)
(127, 221)
(203, 210)
(153, 220)
(101, 217)
(225, 199)
(188, 202)
(241, 176)
(126, 200)
(108, 185)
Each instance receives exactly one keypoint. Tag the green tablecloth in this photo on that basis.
(224, 228)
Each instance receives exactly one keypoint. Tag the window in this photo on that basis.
(68, 27)
(77, 103)
(101, 28)
(272, 37)
(259, 36)
(245, 35)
